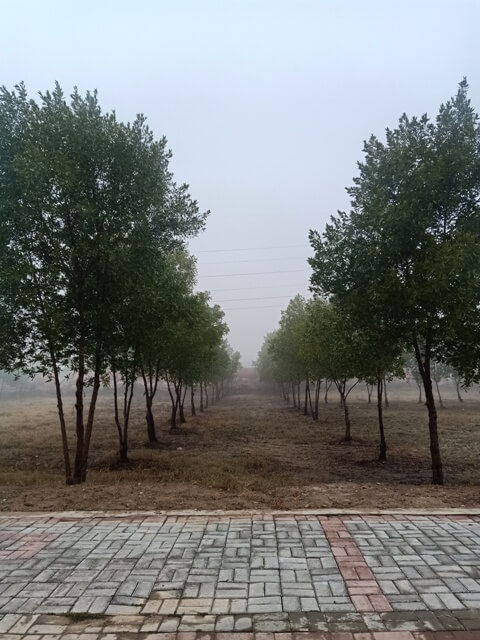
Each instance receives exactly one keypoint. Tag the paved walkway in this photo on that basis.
(390, 577)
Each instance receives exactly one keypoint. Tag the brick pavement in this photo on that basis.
(262, 577)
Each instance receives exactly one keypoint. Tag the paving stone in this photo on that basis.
(215, 572)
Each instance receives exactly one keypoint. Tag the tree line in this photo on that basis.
(95, 278)
(399, 272)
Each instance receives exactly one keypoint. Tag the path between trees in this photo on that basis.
(94, 576)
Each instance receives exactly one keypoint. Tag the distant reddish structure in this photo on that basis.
(246, 379)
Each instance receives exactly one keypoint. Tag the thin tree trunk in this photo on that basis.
(127, 405)
(387, 404)
(328, 384)
(150, 387)
(369, 392)
(181, 401)
(206, 396)
(348, 433)
(383, 443)
(90, 417)
(192, 401)
(307, 393)
(173, 415)
(151, 430)
(122, 427)
(61, 417)
(61, 412)
(115, 405)
(419, 392)
(457, 384)
(440, 401)
(317, 397)
(310, 403)
(424, 369)
(201, 396)
(79, 425)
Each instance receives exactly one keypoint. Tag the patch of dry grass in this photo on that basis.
(246, 450)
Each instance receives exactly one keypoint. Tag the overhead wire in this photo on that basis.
(270, 306)
(287, 246)
(252, 273)
(261, 298)
(269, 286)
(256, 260)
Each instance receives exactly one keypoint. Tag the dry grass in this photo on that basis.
(249, 450)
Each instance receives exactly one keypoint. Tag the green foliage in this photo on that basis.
(92, 227)
(404, 265)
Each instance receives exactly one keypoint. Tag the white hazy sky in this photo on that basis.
(265, 104)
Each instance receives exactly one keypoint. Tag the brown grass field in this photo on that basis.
(248, 451)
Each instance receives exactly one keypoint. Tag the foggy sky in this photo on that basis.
(265, 105)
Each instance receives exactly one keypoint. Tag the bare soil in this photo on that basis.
(248, 451)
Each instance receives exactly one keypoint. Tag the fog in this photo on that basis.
(265, 106)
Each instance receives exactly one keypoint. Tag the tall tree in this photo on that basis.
(411, 243)
(76, 186)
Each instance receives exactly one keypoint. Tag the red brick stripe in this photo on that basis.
(362, 587)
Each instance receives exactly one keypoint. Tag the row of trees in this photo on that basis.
(95, 280)
(401, 271)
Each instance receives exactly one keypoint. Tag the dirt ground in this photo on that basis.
(248, 451)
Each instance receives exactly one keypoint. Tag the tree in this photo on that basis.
(77, 189)
(411, 242)
(285, 347)
(193, 338)
(337, 350)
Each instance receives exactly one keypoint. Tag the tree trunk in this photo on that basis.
(79, 425)
(383, 443)
(369, 392)
(181, 400)
(91, 414)
(387, 404)
(424, 369)
(419, 393)
(151, 431)
(294, 394)
(206, 396)
(173, 401)
(201, 396)
(150, 387)
(307, 393)
(317, 398)
(457, 384)
(440, 401)
(192, 401)
(61, 417)
(348, 434)
(122, 427)
(173, 415)
(328, 384)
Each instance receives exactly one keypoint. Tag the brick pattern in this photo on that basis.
(428, 563)
(35, 627)
(259, 575)
(362, 586)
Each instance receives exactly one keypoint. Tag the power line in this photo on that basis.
(271, 306)
(257, 260)
(255, 273)
(288, 246)
(270, 286)
(261, 298)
